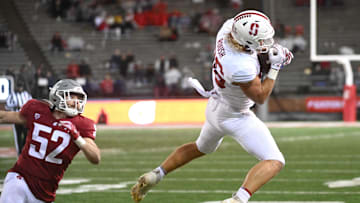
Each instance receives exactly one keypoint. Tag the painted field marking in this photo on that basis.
(94, 188)
(217, 170)
(343, 183)
(270, 192)
(222, 162)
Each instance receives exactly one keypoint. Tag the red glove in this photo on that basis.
(70, 128)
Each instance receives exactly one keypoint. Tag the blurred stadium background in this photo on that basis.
(122, 51)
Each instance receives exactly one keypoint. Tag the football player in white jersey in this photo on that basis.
(237, 87)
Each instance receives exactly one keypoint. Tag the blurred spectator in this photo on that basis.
(100, 22)
(337, 79)
(115, 60)
(160, 89)
(3, 40)
(288, 40)
(8, 40)
(186, 88)
(279, 29)
(10, 72)
(210, 21)
(114, 24)
(119, 86)
(139, 73)
(129, 22)
(84, 69)
(299, 40)
(173, 61)
(162, 65)
(172, 80)
(123, 65)
(149, 73)
(58, 8)
(237, 4)
(167, 33)
(50, 78)
(57, 43)
(107, 85)
(26, 76)
(91, 87)
(72, 70)
(41, 88)
(159, 13)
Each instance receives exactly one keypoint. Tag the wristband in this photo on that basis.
(80, 142)
(273, 73)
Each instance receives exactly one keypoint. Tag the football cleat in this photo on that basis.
(144, 184)
(234, 199)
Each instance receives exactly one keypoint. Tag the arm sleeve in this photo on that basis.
(88, 129)
(244, 72)
(26, 109)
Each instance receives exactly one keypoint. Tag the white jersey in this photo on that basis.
(230, 66)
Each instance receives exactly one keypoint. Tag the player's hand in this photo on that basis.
(70, 128)
(279, 56)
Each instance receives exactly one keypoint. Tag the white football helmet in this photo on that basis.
(61, 92)
(253, 29)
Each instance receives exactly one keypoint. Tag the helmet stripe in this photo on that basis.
(238, 17)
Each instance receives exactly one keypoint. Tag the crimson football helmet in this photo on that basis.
(253, 29)
(61, 93)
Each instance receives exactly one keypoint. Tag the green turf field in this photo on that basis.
(314, 156)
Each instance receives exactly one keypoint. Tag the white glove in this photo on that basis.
(279, 56)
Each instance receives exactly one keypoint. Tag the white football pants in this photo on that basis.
(244, 127)
(16, 190)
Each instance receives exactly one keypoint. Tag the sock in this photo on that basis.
(162, 172)
(244, 194)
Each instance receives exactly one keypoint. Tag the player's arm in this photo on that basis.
(12, 117)
(259, 91)
(87, 145)
(91, 151)
(256, 90)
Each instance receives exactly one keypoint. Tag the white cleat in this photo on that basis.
(144, 184)
(234, 199)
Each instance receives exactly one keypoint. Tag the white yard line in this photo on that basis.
(297, 180)
(217, 162)
(217, 170)
(270, 192)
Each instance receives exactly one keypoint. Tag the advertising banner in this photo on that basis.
(147, 112)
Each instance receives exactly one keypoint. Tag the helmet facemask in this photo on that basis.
(66, 100)
(265, 45)
(68, 96)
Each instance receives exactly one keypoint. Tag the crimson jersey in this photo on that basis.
(48, 150)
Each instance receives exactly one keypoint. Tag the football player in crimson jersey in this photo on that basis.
(56, 133)
(237, 87)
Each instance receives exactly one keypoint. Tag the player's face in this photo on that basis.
(74, 101)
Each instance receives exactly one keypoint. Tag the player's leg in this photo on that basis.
(255, 138)
(16, 190)
(208, 141)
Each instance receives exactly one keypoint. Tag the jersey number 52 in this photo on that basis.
(41, 152)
